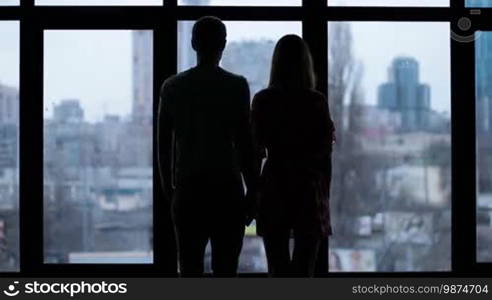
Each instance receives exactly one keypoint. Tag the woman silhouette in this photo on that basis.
(294, 132)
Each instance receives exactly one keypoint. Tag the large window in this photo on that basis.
(242, 2)
(484, 145)
(389, 93)
(479, 3)
(99, 2)
(388, 2)
(98, 160)
(249, 53)
(79, 179)
(9, 146)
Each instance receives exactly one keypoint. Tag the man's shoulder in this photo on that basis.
(232, 76)
(192, 73)
(175, 80)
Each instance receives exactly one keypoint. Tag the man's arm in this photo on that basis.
(246, 149)
(165, 142)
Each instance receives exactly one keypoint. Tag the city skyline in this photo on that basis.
(414, 39)
(93, 66)
(115, 53)
(405, 94)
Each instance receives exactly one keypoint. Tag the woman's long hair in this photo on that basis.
(292, 64)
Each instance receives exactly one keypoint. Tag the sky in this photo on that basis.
(9, 53)
(95, 66)
(9, 2)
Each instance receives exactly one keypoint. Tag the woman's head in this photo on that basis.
(292, 64)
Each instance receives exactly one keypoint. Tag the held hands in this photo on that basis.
(251, 209)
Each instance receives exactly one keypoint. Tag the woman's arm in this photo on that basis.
(326, 138)
(257, 125)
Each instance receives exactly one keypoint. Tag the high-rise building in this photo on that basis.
(142, 76)
(68, 111)
(9, 105)
(404, 93)
(478, 3)
(484, 82)
(9, 146)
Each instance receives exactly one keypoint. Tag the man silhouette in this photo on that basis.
(205, 145)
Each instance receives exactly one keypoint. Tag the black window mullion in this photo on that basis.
(93, 17)
(10, 13)
(464, 175)
(165, 53)
(315, 33)
(238, 13)
(457, 4)
(27, 3)
(31, 147)
(463, 151)
(334, 13)
(480, 22)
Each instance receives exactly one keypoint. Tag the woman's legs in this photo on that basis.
(277, 251)
(305, 253)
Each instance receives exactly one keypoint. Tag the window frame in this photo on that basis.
(163, 20)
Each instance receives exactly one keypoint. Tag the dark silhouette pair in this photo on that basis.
(212, 144)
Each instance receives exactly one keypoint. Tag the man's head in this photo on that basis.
(209, 37)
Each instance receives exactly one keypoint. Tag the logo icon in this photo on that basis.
(11, 290)
(465, 33)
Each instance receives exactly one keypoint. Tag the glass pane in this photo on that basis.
(484, 145)
(98, 146)
(99, 2)
(248, 53)
(479, 3)
(9, 146)
(391, 187)
(388, 2)
(241, 2)
(9, 2)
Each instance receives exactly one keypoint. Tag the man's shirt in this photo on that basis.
(204, 123)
